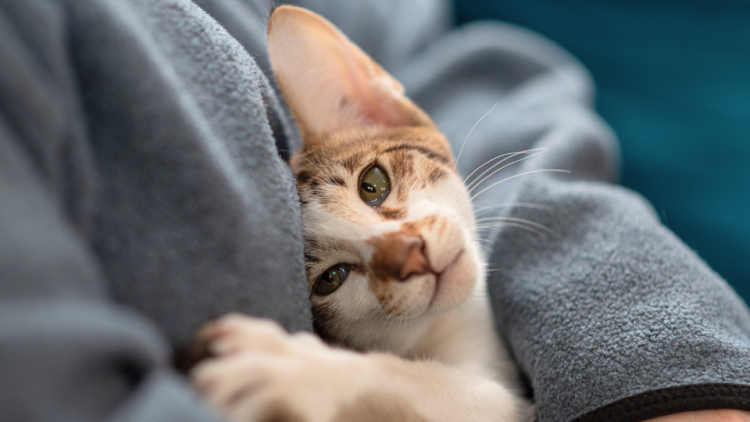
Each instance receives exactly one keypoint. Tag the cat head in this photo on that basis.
(390, 237)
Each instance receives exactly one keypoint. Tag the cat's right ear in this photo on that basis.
(329, 82)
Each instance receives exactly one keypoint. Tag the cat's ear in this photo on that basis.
(329, 82)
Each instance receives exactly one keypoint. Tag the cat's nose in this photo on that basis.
(399, 256)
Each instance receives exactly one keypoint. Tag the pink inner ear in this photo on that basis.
(372, 95)
(330, 83)
(379, 114)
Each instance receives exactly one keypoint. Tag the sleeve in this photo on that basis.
(66, 351)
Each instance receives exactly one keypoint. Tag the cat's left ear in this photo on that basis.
(329, 82)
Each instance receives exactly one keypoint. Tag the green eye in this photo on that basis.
(374, 187)
(332, 278)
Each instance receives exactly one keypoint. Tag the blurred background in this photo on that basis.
(673, 79)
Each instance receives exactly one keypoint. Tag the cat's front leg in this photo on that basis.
(264, 374)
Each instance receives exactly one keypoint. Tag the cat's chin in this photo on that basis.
(431, 294)
(455, 284)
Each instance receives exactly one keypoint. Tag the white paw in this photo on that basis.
(263, 373)
(235, 333)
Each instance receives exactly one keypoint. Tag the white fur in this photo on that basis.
(313, 381)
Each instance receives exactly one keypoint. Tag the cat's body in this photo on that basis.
(392, 259)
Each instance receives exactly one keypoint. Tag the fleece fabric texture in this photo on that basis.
(142, 193)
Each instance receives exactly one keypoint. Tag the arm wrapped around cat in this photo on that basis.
(393, 263)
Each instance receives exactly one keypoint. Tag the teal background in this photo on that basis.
(673, 80)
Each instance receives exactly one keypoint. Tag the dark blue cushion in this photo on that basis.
(673, 79)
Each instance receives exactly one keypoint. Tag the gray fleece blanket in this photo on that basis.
(143, 191)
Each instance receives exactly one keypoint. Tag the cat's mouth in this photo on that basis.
(445, 278)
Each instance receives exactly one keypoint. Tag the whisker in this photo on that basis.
(509, 155)
(385, 322)
(519, 175)
(516, 225)
(317, 158)
(476, 184)
(489, 161)
(485, 208)
(486, 246)
(358, 323)
(521, 220)
(320, 138)
(313, 164)
(467, 136)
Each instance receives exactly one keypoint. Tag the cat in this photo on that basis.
(393, 263)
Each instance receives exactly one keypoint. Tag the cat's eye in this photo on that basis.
(374, 186)
(332, 278)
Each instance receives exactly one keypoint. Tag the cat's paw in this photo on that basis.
(235, 333)
(263, 373)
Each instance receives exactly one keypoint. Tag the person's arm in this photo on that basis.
(66, 351)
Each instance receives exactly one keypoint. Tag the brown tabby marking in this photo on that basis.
(392, 213)
(320, 171)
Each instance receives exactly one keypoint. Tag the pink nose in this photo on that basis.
(399, 256)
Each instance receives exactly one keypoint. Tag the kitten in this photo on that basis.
(393, 263)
